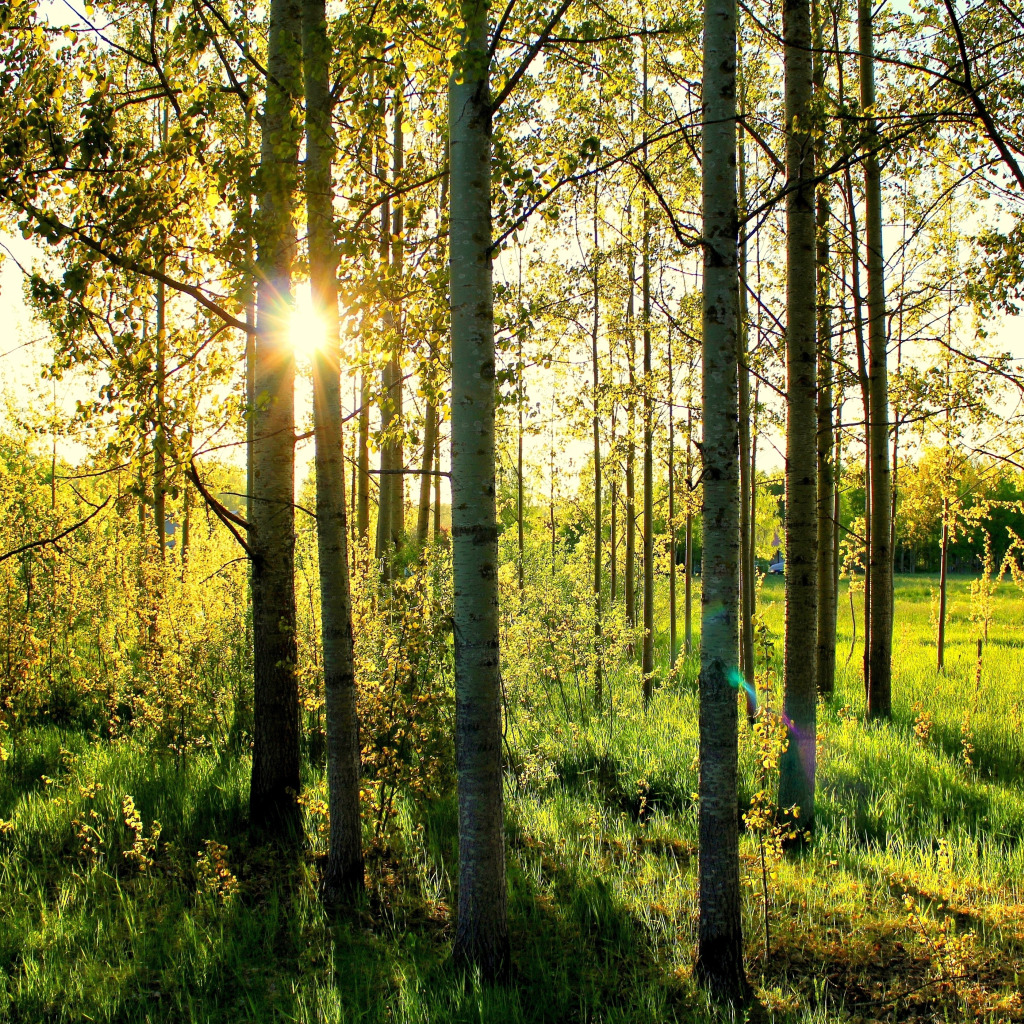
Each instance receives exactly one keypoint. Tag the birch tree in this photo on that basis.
(275, 755)
(344, 869)
(481, 936)
(797, 767)
(719, 935)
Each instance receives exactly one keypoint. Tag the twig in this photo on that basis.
(60, 536)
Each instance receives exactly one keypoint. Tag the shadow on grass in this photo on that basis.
(916, 799)
(992, 760)
(582, 768)
(166, 941)
(577, 953)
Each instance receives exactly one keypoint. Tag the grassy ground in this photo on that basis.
(908, 905)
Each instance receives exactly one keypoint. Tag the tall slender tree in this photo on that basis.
(826, 632)
(275, 752)
(879, 682)
(647, 658)
(596, 426)
(719, 933)
(797, 765)
(481, 935)
(344, 869)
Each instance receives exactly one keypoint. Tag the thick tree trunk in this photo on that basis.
(481, 935)
(344, 869)
(719, 961)
(880, 634)
(797, 765)
(275, 752)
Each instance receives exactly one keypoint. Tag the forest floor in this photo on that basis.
(908, 905)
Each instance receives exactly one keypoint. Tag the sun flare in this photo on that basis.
(306, 329)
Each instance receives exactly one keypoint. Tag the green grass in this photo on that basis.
(907, 906)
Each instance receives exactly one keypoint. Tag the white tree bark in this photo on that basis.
(481, 938)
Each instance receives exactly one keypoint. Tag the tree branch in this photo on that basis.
(60, 536)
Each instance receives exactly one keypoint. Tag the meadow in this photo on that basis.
(129, 890)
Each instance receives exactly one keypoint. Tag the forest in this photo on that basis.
(511, 513)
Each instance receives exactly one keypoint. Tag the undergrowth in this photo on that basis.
(129, 890)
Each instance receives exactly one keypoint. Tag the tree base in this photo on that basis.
(719, 971)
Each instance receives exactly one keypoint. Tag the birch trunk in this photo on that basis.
(481, 936)
(943, 565)
(386, 476)
(275, 753)
(797, 765)
(719, 962)
(826, 656)
(688, 556)
(363, 451)
(671, 512)
(880, 632)
(160, 434)
(344, 870)
(743, 369)
(427, 475)
(629, 561)
(397, 269)
(598, 516)
(647, 660)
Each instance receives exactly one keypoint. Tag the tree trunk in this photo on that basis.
(397, 267)
(826, 653)
(598, 517)
(880, 634)
(688, 555)
(275, 752)
(672, 645)
(753, 502)
(344, 869)
(427, 475)
(613, 495)
(160, 433)
(797, 765)
(386, 478)
(943, 567)
(520, 486)
(647, 660)
(719, 962)
(437, 482)
(862, 374)
(743, 370)
(481, 936)
(629, 561)
(363, 449)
